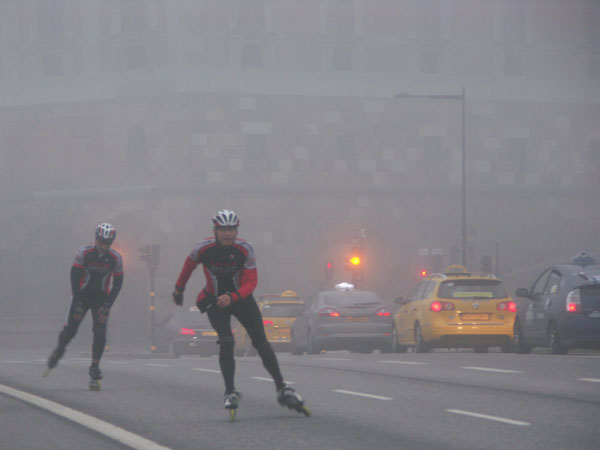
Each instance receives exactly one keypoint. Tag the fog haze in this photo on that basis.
(153, 115)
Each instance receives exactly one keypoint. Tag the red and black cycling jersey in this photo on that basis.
(228, 269)
(91, 274)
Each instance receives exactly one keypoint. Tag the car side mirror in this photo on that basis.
(522, 292)
(536, 297)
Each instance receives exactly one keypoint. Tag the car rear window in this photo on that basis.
(367, 299)
(480, 289)
(281, 310)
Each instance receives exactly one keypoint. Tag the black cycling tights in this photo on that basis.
(247, 312)
(77, 312)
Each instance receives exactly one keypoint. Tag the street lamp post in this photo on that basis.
(462, 97)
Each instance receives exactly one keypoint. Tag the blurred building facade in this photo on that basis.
(153, 114)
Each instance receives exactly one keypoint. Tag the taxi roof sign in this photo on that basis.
(344, 286)
(289, 293)
(456, 268)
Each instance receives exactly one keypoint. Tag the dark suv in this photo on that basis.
(562, 308)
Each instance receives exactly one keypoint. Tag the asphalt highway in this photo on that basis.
(441, 400)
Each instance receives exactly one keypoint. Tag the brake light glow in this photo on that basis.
(328, 312)
(507, 306)
(383, 313)
(267, 322)
(438, 306)
(574, 301)
(187, 331)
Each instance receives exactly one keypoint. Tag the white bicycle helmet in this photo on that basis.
(225, 218)
(106, 233)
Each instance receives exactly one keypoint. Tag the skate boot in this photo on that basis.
(287, 396)
(232, 402)
(56, 354)
(95, 377)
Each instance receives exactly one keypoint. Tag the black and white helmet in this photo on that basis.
(106, 233)
(225, 218)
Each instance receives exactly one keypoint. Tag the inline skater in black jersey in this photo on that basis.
(91, 273)
(230, 270)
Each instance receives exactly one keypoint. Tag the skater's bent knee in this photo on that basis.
(264, 348)
(227, 344)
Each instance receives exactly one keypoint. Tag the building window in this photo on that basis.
(594, 152)
(342, 58)
(251, 55)
(136, 57)
(346, 147)
(513, 65)
(52, 65)
(593, 68)
(429, 62)
(432, 148)
(256, 147)
(136, 144)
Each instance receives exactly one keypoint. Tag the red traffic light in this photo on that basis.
(423, 273)
(329, 269)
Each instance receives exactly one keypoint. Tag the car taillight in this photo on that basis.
(383, 312)
(329, 312)
(267, 322)
(574, 301)
(507, 306)
(438, 306)
(186, 331)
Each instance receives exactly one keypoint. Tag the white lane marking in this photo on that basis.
(485, 416)
(591, 380)
(336, 359)
(362, 394)
(107, 429)
(271, 379)
(402, 362)
(158, 365)
(199, 369)
(33, 361)
(489, 369)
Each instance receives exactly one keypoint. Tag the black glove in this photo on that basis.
(206, 303)
(178, 297)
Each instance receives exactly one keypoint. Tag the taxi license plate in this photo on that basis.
(209, 333)
(479, 316)
(356, 319)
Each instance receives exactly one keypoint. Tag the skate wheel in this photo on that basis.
(46, 372)
(94, 385)
(232, 415)
(304, 410)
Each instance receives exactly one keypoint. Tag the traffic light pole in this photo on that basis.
(151, 270)
(150, 255)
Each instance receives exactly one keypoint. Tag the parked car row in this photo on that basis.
(453, 309)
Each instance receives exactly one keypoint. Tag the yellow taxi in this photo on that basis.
(455, 309)
(279, 312)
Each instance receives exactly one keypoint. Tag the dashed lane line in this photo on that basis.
(107, 429)
(591, 380)
(336, 359)
(362, 394)
(158, 365)
(200, 369)
(412, 363)
(271, 380)
(490, 369)
(488, 417)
